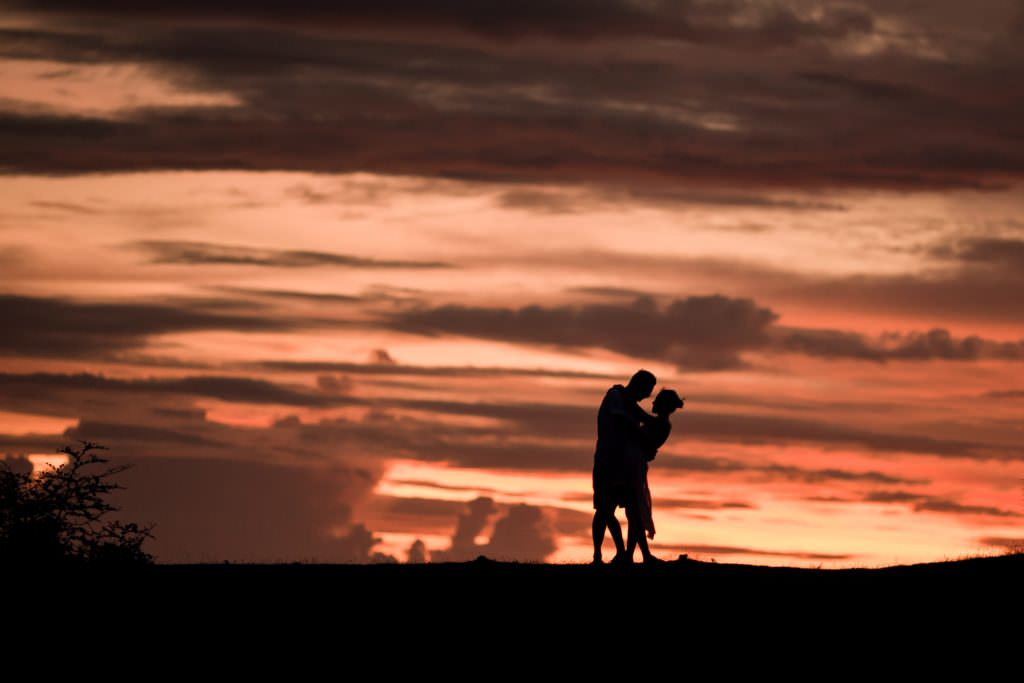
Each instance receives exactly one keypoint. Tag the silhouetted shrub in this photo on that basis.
(55, 517)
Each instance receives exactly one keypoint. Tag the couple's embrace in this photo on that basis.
(628, 438)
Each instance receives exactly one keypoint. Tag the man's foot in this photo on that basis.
(622, 558)
(651, 559)
(597, 560)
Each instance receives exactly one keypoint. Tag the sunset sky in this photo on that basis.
(341, 276)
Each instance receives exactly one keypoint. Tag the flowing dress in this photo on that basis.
(639, 454)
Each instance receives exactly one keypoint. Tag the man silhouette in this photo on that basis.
(618, 420)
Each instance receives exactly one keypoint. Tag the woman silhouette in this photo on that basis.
(639, 453)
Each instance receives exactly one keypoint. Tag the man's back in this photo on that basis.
(611, 430)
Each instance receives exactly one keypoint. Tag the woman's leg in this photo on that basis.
(636, 533)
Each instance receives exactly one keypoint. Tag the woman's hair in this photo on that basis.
(667, 399)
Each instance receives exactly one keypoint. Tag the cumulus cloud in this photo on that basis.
(417, 553)
(470, 524)
(16, 463)
(525, 533)
(213, 510)
(356, 547)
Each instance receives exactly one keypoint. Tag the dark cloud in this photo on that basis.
(719, 465)
(445, 91)
(1012, 544)
(705, 332)
(927, 503)
(376, 294)
(1014, 393)
(120, 432)
(572, 199)
(576, 422)
(735, 23)
(693, 504)
(940, 505)
(69, 207)
(949, 288)
(198, 253)
(612, 292)
(408, 506)
(935, 344)
(697, 333)
(978, 280)
(422, 370)
(315, 297)
(38, 326)
(334, 384)
(58, 393)
(768, 429)
(442, 487)
(382, 357)
(557, 433)
(1007, 254)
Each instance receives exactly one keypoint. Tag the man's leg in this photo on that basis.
(615, 529)
(630, 536)
(604, 518)
(598, 531)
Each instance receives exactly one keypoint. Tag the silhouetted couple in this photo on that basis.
(628, 438)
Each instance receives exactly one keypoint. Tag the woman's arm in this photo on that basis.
(656, 434)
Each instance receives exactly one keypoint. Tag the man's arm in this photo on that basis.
(628, 414)
(638, 413)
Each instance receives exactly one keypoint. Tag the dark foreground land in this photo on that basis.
(682, 586)
(520, 613)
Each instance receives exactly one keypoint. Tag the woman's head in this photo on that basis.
(667, 402)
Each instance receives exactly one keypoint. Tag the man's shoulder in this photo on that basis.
(614, 393)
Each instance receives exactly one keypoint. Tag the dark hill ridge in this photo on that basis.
(683, 582)
(688, 607)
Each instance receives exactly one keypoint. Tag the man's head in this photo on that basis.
(641, 384)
